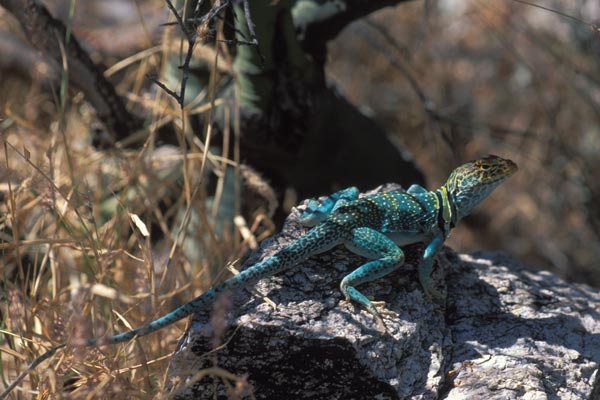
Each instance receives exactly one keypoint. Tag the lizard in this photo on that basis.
(375, 227)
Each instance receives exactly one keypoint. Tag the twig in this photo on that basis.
(164, 87)
(251, 29)
(192, 36)
(191, 39)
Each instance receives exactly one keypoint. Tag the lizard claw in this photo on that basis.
(380, 306)
(382, 326)
(428, 287)
(432, 293)
(380, 311)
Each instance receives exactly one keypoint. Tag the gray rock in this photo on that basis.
(505, 332)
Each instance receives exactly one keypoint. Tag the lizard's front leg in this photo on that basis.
(426, 265)
(386, 256)
(316, 212)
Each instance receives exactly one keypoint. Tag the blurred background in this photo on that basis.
(448, 80)
(506, 78)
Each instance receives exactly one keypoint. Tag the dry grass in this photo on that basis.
(92, 242)
(77, 265)
(78, 261)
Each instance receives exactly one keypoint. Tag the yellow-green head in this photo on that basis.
(469, 184)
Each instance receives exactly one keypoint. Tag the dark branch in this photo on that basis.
(47, 34)
(251, 30)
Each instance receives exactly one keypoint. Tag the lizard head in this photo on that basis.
(469, 184)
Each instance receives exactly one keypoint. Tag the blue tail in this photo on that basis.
(319, 239)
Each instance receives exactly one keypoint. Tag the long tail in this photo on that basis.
(319, 239)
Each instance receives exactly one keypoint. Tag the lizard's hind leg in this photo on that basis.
(316, 212)
(386, 257)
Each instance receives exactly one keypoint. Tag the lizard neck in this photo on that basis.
(461, 202)
(447, 212)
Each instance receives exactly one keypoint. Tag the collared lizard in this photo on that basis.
(375, 227)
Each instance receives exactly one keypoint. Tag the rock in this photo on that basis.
(504, 332)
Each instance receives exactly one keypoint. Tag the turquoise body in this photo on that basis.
(375, 227)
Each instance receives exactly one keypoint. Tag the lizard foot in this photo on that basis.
(380, 306)
(381, 312)
(375, 312)
(432, 293)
